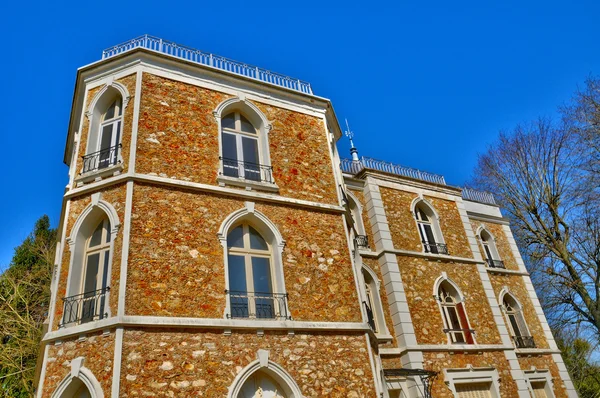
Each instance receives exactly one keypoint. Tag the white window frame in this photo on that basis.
(443, 307)
(519, 313)
(490, 244)
(540, 375)
(472, 375)
(248, 253)
(253, 114)
(432, 221)
(239, 135)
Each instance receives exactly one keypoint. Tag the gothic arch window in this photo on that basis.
(264, 378)
(260, 384)
(355, 222)
(492, 257)
(79, 383)
(372, 303)
(91, 245)
(516, 322)
(244, 144)
(429, 229)
(456, 323)
(105, 135)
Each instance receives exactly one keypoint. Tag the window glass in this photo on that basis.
(257, 241)
(96, 238)
(228, 121)
(229, 146)
(514, 324)
(237, 273)
(236, 237)
(247, 127)
(428, 233)
(261, 271)
(106, 139)
(91, 273)
(250, 149)
(110, 113)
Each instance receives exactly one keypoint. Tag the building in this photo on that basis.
(211, 245)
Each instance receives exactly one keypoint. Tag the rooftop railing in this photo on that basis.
(478, 196)
(353, 167)
(208, 59)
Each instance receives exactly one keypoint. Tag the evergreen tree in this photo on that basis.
(24, 301)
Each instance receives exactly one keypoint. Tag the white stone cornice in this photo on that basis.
(202, 323)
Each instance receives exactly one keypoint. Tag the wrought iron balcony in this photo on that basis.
(101, 159)
(85, 307)
(211, 60)
(246, 170)
(370, 317)
(258, 305)
(435, 248)
(524, 341)
(362, 241)
(495, 263)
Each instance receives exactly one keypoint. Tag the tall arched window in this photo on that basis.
(262, 385)
(240, 142)
(516, 322)
(491, 252)
(105, 136)
(252, 291)
(456, 324)
(429, 229)
(90, 283)
(372, 302)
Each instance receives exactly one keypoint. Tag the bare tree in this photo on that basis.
(542, 174)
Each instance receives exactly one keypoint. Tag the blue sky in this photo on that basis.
(423, 84)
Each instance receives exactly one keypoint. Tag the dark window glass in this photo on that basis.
(257, 241)
(247, 127)
(228, 121)
(236, 237)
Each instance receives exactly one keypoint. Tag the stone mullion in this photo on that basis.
(401, 319)
(511, 357)
(564, 374)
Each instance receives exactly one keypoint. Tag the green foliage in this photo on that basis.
(577, 354)
(24, 300)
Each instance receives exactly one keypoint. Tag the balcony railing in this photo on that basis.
(524, 341)
(362, 241)
(258, 305)
(370, 317)
(353, 167)
(246, 170)
(478, 196)
(200, 57)
(495, 263)
(101, 159)
(435, 248)
(85, 307)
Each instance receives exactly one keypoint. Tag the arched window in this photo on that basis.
(88, 282)
(355, 223)
(105, 133)
(372, 303)
(456, 325)
(252, 291)
(516, 321)
(491, 252)
(262, 385)
(240, 143)
(429, 229)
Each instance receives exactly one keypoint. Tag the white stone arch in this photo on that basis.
(80, 373)
(444, 278)
(269, 232)
(97, 106)
(263, 364)
(491, 242)
(378, 305)
(360, 226)
(255, 116)
(431, 213)
(501, 296)
(82, 229)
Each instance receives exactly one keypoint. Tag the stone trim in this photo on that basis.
(116, 378)
(202, 323)
(136, 117)
(237, 193)
(475, 375)
(78, 371)
(429, 256)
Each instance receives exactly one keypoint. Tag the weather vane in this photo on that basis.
(350, 134)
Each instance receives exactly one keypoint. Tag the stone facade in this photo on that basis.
(163, 323)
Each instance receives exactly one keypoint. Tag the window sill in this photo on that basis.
(384, 338)
(99, 174)
(248, 184)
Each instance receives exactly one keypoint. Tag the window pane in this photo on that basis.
(428, 233)
(251, 166)
(261, 272)
(230, 163)
(120, 106)
(236, 237)
(97, 235)
(247, 127)
(237, 273)
(91, 273)
(228, 121)
(105, 254)
(454, 322)
(110, 113)
(257, 241)
(488, 253)
(515, 325)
